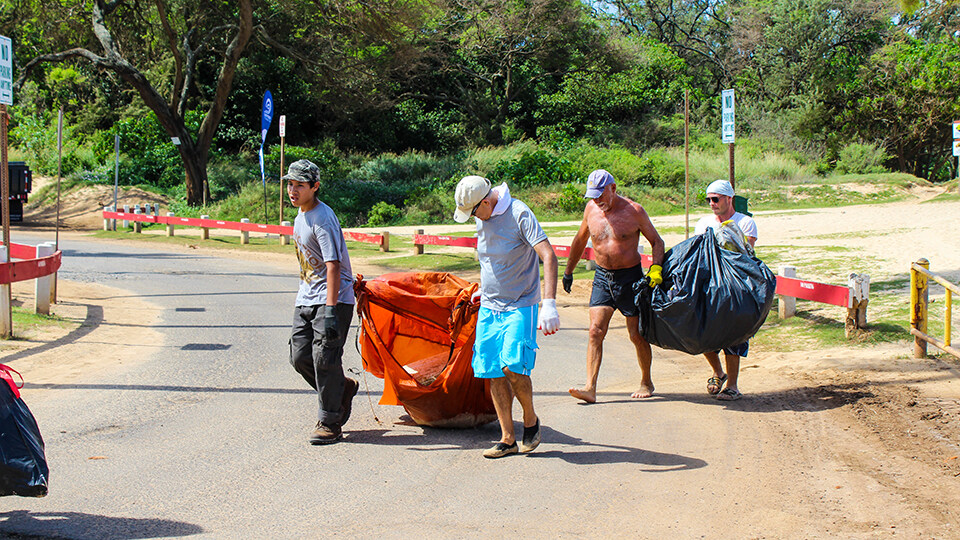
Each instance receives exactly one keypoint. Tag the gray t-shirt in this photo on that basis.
(319, 239)
(509, 266)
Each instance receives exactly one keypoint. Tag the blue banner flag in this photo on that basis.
(265, 120)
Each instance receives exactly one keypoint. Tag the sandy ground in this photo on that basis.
(880, 398)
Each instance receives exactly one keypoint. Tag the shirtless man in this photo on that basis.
(614, 224)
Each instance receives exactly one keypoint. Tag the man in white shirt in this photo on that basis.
(720, 197)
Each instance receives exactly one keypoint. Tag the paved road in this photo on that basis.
(208, 437)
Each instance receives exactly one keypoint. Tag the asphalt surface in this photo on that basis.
(208, 436)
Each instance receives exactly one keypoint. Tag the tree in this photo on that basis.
(131, 36)
(484, 57)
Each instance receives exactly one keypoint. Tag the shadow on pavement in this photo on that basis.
(22, 524)
(582, 452)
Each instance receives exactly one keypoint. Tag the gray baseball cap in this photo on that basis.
(303, 171)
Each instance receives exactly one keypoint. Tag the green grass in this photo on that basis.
(26, 319)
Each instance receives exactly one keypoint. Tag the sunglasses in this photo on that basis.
(713, 199)
(475, 207)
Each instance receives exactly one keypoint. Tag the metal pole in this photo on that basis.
(7, 299)
(280, 219)
(116, 173)
(56, 244)
(686, 163)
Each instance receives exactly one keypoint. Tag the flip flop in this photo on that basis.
(714, 384)
(729, 394)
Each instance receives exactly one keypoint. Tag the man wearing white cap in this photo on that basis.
(720, 197)
(509, 243)
(614, 223)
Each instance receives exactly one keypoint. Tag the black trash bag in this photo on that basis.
(23, 467)
(710, 298)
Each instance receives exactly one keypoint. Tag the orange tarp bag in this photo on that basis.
(416, 333)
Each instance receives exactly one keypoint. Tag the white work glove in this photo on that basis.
(549, 318)
(475, 297)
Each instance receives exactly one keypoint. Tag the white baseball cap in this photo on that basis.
(720, 187)
(596, 182)
(470, 191)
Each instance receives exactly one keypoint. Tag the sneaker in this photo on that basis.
(499, 450)
(350, 387)
(531, 438)
(326, 434)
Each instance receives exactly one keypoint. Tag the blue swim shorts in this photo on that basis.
(505, 339)
(740, 350)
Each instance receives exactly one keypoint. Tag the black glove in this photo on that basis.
(330, 333)
(567, 282)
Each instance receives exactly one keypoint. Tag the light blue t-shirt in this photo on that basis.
(509, 266)
(319, 239)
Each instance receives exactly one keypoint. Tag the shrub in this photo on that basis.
(859, 158)
(658, 168)
(539, 168)
(571, 198)
(382, 214)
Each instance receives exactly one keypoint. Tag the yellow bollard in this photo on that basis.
(919, 295)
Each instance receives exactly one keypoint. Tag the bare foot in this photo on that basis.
(587, 396)
(645, 391)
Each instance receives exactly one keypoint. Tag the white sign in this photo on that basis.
(956, 148)
(956, 130)
(728, 126)
(6, 71)
(176, 141)
(283, 125)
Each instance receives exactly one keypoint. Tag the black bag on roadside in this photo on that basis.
(23, 467)
(710, 298)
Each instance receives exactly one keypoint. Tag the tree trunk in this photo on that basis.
(195, 167)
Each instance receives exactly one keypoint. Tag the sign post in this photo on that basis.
(266, 118)
(728, 125)
(956, 151)
(6, 98)
(283, 134)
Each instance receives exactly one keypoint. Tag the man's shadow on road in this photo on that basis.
(28, 525)
(580, 451)
(802, 399)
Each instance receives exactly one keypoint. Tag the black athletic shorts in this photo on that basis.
(614, 288)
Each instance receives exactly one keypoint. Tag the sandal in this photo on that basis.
(729, 394)
(714, 384)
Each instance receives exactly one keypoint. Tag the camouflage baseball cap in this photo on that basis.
(303, 171)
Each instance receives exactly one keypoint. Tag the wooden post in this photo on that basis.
(787, 305)
(6, 298)
(686, 163)
(6, 314)
(42, 284)
(137, 226)
(106, 221)
(732, 181)
(204, 231)
(244, 235)
(385, 243)
(918, 303)
(284, 239)
(170, 224)
(857, 307)
(418, 248)
(126, 210)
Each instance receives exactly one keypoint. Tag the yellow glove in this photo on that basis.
(654, 275)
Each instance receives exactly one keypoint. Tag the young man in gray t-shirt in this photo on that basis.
(324, 306)
(510, 244)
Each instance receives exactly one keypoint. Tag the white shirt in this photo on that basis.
(746, 224)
